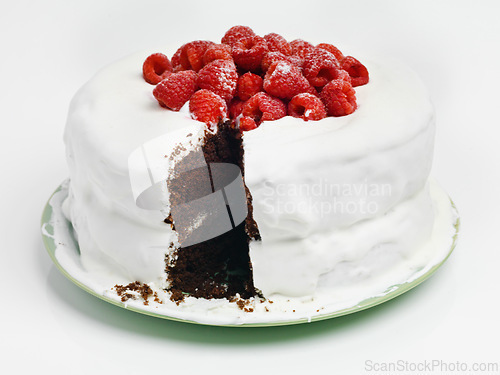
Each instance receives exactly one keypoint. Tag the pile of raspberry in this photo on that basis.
(249, 79)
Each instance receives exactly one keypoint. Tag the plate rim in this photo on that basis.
(49, 240)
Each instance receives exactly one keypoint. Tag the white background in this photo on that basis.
(48, 325)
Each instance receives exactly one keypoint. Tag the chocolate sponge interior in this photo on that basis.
(217, 267)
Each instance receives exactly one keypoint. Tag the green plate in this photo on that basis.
(53, 222)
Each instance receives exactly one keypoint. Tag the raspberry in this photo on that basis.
(357, 71)
(176, 59)
(249, 84)
(320, 67)
(271, 57)
(191, 55)
(247, 123)
(207, 107)
(156, 67)
(217, 52)
(342, 74)
(176, 89)
(235, 107)
(297, 61)
(300, 47)
(332, 49)
(339, 98)
(276, 43)
(236, 33)
(307, 107)
(285, 80)
(263, 107)
(195, 52)
(219, 76)
(248, 52)
(177, 69)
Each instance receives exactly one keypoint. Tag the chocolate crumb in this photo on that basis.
(170, 220)
(123, 291)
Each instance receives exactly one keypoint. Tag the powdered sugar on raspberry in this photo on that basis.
(282, 69)
(226, 83)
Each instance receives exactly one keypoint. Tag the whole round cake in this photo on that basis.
(255, 169)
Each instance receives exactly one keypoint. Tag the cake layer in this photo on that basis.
(314, 184)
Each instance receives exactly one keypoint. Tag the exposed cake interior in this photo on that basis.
(218, 267)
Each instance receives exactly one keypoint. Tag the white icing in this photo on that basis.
(386, 144)
(322, 190)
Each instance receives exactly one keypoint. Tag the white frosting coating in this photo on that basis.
(322, 190)
(337, 202)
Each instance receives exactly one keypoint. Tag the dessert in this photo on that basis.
(331, 187)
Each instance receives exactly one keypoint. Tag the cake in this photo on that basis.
(203, 177)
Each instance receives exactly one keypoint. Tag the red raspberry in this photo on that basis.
(247, 123)
(320, 67)
(207, 107)
(332, 49)
(176, 59)
(357, 71)
(300, 47)
(236, 33)
(177, 68)
(219, 76)
(156, 67)
(276, 43)
(297, 61)
(190, 55)
(249, 84)
(271, 57)
(176, 89)
(339, 98)
(263, 107)
(248, 52)
(195, 52)
(285, 80)
(342, 74)
(235, 107)
(307, 107)
(217, 52)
